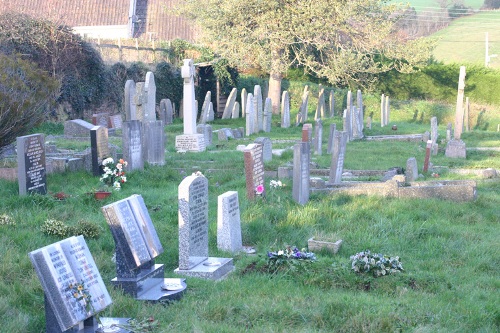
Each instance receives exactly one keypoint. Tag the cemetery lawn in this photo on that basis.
(450, 251)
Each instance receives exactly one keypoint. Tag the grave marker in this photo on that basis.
(258, 109)
(154, 142)
(250, 115)
(333, 128)
(285, 110)
(456, 147)
(337, 165)
(318, 137)
(141, 101)
(301, 158)
(100, 119)
(268, 115)
(130, 106)
(99, 148)
(230, 104)
(254, 169)
(267, 148)
(228, 222)
(244, 96)
(31, 169)
(150, 90)
(132, 144)
(331, 104)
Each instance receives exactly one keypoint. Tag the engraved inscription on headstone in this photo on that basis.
(228, 222)
(254, 168)
(31, 164)
(132, 144)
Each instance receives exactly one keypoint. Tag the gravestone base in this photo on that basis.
(190, 142)
(147, 286)
(455, 149)
(212, 269)
(107, 323)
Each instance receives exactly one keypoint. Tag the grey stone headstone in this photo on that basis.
(361, 111)
(369, 122)
(333, 128)
(132, 144)
(75, 164)
(115, 121)
(100, 119)
(455, 149)
(204, 114)
(244, 96)
(77, 128)
(268, 115)
(411, 169)
(99, 147)
(154, 142)
(193, 221)
(225, 134)
(236, 111)
(267, 148)
(301, 159)
(228, 109)
(258, 109)
(303, 107)
(348, 124)
(206, 130)
(166, 111)
(150, 89)
(320, 108)
(130, 106)
(331, 104)
(337, 165)
(383, 116)
(250, 115)
(31, 168)
(141, 101)
(285, 110)
(236, 133)
(228, 222)
(434, 130)
(318, 137)
(254, 168)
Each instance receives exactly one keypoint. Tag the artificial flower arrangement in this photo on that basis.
(377, 263)
(113, 174)
(291, 253)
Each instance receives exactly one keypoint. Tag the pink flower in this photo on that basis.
(259, 189)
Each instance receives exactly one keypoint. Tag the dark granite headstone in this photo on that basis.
(99, 148)
(31, 164)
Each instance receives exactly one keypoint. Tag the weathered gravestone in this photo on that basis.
(154, 142)
(132, 144)
(258, 109)
(411, 173)
(303, 107)
(307, 133)
(204, 108)
(301, 159)
(254, 169)
(99, 148)
(68, 272)
(236, 111)
(337, 164)
(228, 222)
(333, 128)
(250, 115)
(190, 140)
(224, 134)
(268, 115)
(129, 104)
(434, 135)
(206, 130)
(77, 128)
(166, 111)
(331, 104)
(318, 137)
(456, 147)
(285, 110)
(100, 119)
(193, 232)
(228, 109)
(137, 245)
(267, 148)
(150, 90)
(428, 149)
(320, 108)
(141, 101)
(115, 121)
(244, 96)
(31, 171)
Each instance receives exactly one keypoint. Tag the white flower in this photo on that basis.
(280, 252)
(119, 166)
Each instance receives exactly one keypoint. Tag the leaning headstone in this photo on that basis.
(267, 148)
(77, 128)
(258, 109)
(337, 165)
(141, 101)
(154, 142)
(318, 137)
(193, 232)
(244, 96)
(411, 172)
(285, 110)
(129, 104)
(230, 104)
(132, 144)
(268, 115)
(100, 119)
(301, 159)
(31, 169)
(333, 128)
(99, 148)
(331, 104)
(254, 169)
(456, 147)
(224, 134)
(236, 111)
(228, 222)
(204, 108)
(70, 280)
(206, 130)
(250, 115)
(190, 140)
(136, 246)
(150, 90)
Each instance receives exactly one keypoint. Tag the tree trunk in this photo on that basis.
(275, 91)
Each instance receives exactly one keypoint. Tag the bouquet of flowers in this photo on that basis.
(376, 263)
(289, 253)
(113, 174)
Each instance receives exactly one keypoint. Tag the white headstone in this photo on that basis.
(150, 89)
(228, 222)
(285, 110)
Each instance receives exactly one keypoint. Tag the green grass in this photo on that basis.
(449, 250)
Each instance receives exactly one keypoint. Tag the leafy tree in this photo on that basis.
(26, 93)
(491, 4)
(346, 42)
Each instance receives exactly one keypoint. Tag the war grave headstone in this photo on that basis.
(258, 109)
(267, 148)
(150, 91)
(333, 128)
(206, 130)
(300, 180)
(190, 140)
(137, 245)
(228, 222)
(411, 171)
(31, 169)
(77, 128)
(331, 104)
(130, 106)
(318, 137)
(194, 260)
(337, 164)
(100, 119)
(228, 109)
(268, 115)
(285, 110)
(132, 144)
(250, 115)
(455, 148)
(115, 121)
(67, 272)
(244, 96)
(99, 148)
(154, 142)
(254, 169)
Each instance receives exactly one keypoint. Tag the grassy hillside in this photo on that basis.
(421, 5)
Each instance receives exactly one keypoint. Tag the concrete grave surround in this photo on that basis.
(301, 160)
(254, 168)
(31, 168)
(228, 222)
(193, 232)
(130, 106)
(57, 266)
(285, 110)
(136, 246)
